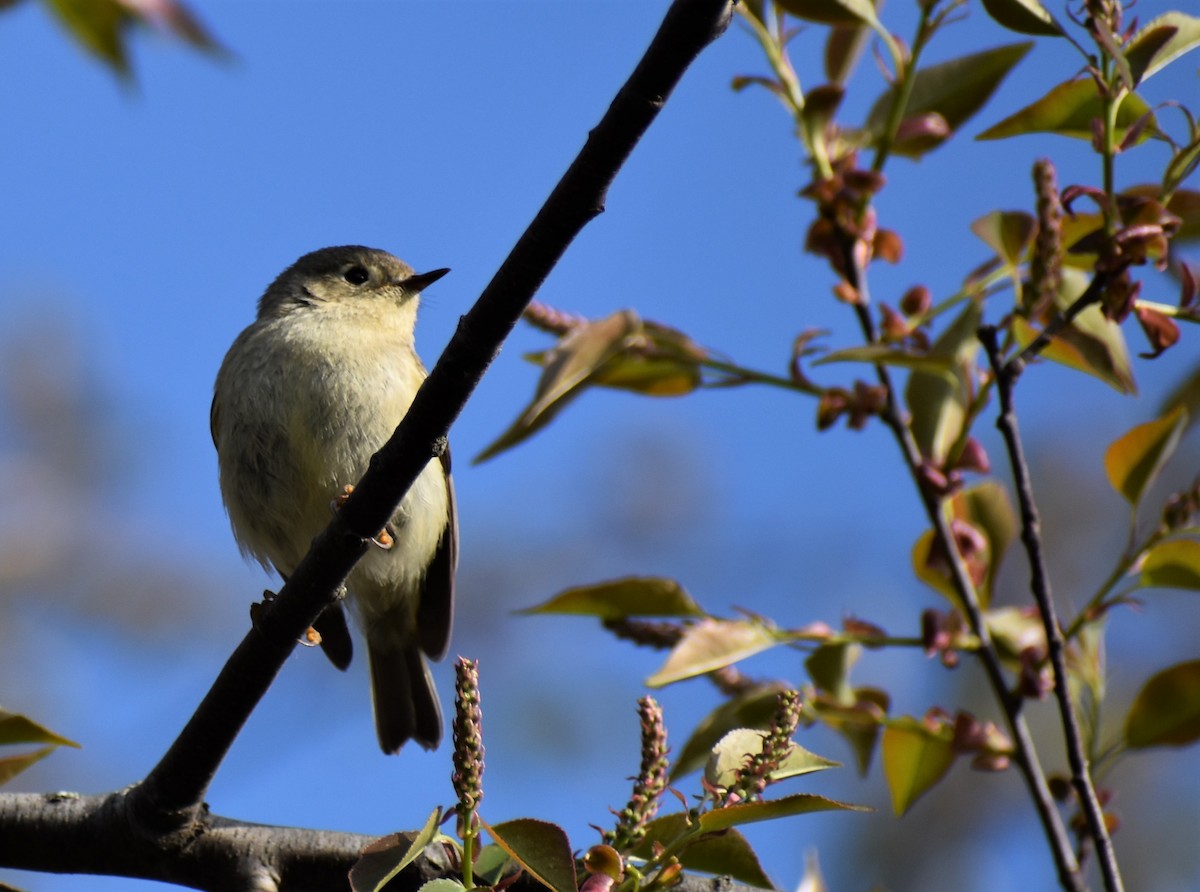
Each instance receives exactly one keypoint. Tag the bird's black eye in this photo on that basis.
(356, 275)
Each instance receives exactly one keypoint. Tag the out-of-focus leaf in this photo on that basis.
(728, 757)
(829, 668)
(1008, 233)
(541, 848)
(1173, 564)
(831, 12)
(1091, 343)
(929, 571)
(712, 644)
(915, 758)
(726, 854)
(567, 370)
(386, 857)
(843, 49)
(11, 766)
(1133, 460)
(1068, 110)
(1015, 630)
(1166, 712)
(770, 809)
(1023, 16)
(620, 598)
(883, 354)
(937, 403)
(16, 728)
(1160, 42)
(955, 90)
(99, 25)
(753, 709)
(658, 361)
(812, 880)
(859, 723)
(1185, 395)
(987, 507)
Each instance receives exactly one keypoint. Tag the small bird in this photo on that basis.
(305, 396)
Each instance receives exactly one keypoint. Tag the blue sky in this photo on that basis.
(140, 223)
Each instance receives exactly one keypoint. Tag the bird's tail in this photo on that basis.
(405, 700)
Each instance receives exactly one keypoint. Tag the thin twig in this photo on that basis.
(1031, 537)
(1092, 294)
(1024, 751)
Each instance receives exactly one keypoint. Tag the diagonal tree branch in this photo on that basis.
(1031, 537)
(168, 803)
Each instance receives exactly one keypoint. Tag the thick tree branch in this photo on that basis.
(169, 800)
(1031, 537)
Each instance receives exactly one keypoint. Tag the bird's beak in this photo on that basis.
(420, 281)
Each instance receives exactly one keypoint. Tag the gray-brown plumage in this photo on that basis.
(306, 395)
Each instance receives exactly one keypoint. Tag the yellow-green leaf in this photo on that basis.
(712, 644)
(541, 848)
(1173, 564)
(1135, 458)
(725, 854)
(955, 90)
(1166, 712)
(1091, 344)
(915, 758)
(770, 809)
(1023, 16)
(620, 598)
(937, 403)
(11, 766)
(751, 709)
(567, 370)
(386, 857)
(883, 354)
(1008, 233)
(1068, 110)
(1160, 42)
(729, 756)
(831, 12)
(16, 728)
(987, 507)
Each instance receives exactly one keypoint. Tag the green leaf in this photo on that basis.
(442, 884)
(752, 709)
(1068, 110)
(831, 12)
(621, 598)
(1135, 458)
(987, 507)
(11, 766)
(567, 371)
(1091, 343)
(731, 752)
(1160, 42)
(1173, 564)
(859, 724)
(829, 668)
(16, 728)
(884, 354)
(1166, 712)
(724, 854)
(541, 848)
(712, 644)
(1008, 233)
(937, 403)
(955, 90)
(97, 24)
(915, 758)
(386, 857)
(1023, 16)
(770, 809)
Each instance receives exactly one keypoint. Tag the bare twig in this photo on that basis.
(1031, 537)
(1024, 751)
